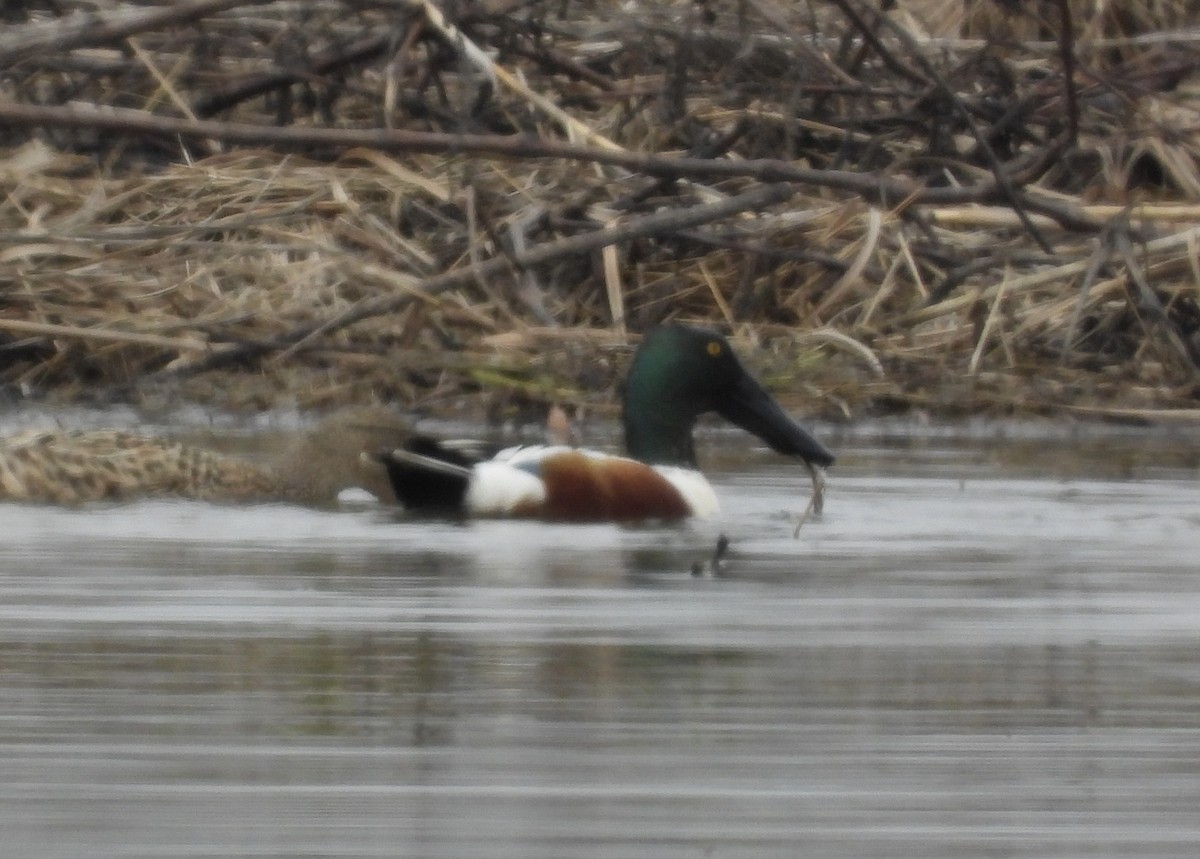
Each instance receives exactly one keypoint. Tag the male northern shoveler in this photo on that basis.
(77, 466)
(678, 374)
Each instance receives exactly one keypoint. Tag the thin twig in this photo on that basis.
(876, 187)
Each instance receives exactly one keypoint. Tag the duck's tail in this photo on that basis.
(432, 475)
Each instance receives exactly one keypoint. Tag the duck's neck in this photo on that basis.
(658, 415)
(659, 437)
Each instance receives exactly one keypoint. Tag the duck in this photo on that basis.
(74, 466)
(678, 373)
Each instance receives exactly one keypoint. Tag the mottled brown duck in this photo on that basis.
(60, 466)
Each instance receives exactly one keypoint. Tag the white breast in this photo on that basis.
(697, 492)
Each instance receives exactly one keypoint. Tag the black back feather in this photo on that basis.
(426, 490)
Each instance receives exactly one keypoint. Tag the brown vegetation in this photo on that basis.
(412, 201)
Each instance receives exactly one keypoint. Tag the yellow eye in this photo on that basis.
(714, 348)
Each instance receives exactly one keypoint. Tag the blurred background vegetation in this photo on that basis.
(937, 205)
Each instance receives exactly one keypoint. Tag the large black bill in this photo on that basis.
(754, 409)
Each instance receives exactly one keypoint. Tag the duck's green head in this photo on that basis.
(678, 374)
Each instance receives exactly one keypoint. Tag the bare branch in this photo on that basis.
(83, 30)
(876, 187)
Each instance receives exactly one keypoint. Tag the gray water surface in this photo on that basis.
(987, 647)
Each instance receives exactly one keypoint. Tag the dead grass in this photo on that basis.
(965, 228)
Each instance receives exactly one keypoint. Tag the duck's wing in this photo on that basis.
(568, 484)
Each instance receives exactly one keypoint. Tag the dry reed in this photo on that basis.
(411, 201)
